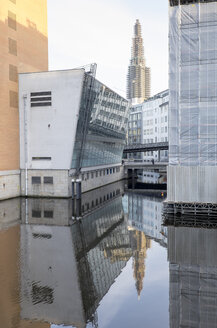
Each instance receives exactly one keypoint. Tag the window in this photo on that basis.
(165, 128)
(92, 175)
(42, 294)
(12, 46)
(82, 177)
(36, 214)
(165, 118)
(48, 214)
(13, 76)
(36, 180)
(87, 176)
(41, 158)
(48, 180)
(13, 96)
(39, 99)
(96, 174)
(12, 20)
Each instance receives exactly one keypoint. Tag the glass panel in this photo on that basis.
(102, 126)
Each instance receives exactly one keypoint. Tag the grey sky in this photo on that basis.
(86, 31)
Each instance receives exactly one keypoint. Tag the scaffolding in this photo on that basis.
(193, 83)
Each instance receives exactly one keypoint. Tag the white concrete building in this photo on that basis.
(73, 274)
(71, 125)
(148, 123)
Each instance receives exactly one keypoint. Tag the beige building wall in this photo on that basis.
(23, 48)
(10, 302)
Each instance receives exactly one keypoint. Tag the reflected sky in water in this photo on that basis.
(104, 262)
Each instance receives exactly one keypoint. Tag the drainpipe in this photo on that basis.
(25, 144)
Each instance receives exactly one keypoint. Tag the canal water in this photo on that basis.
(113, 265)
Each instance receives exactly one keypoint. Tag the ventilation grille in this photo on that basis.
(41, 99)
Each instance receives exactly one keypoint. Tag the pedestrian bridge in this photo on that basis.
(136, 148)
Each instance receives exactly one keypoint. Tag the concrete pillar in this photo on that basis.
(133, 179)
(73, 209)
(78, 208)
(73, 188)
(78, 189)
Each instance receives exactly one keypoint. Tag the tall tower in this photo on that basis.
(23, 48)
(139, 77)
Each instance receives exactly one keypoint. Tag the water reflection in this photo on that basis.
(145, 214)
(55, 270)
(193, 277)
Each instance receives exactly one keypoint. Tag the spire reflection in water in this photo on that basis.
(57, 272)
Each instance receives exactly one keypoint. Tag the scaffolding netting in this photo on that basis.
(193, 84)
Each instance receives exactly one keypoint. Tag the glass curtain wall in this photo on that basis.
(102, 126)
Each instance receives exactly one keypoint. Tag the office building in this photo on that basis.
(148, 123)
(139, 76)
(23, 48)
(145, 214)
(71, 126)
(193, 94)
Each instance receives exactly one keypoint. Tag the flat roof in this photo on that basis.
(74, 69)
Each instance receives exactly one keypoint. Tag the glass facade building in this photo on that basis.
(102, 126)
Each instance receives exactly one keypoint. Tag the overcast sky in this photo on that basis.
(87, 31)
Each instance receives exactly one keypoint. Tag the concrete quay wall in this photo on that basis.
(9, 184)
(57, 183)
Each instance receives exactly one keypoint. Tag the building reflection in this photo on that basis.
(140, 244)
(144, 213)
(10, 275)
(57, 269)
(193, 277)
(68, 266)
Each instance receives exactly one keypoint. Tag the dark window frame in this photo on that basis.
(36, 180)
(48, 180)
